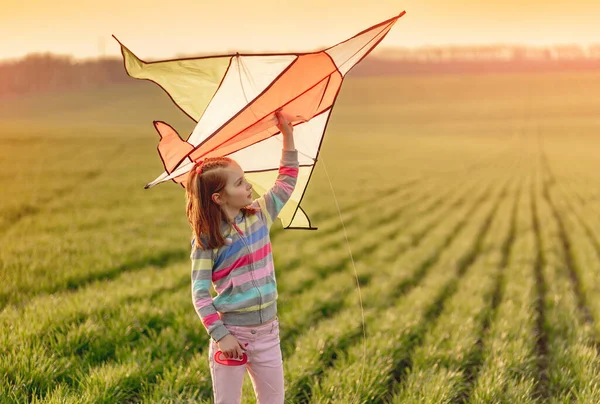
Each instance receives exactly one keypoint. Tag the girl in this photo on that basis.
(231, 250)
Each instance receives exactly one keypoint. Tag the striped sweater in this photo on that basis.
(242, 273)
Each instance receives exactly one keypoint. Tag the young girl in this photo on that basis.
(231, 250)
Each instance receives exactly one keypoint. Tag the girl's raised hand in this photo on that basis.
(284, 125)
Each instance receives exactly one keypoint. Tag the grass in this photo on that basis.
(471, 208)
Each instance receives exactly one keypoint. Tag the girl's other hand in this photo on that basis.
(231, 347)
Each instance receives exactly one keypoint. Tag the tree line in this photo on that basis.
(46, 72)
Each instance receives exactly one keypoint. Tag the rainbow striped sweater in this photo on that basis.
(242, 273)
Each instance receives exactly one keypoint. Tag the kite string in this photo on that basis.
(242, 66)
(355, 272)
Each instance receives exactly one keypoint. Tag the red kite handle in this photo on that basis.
(231, 362)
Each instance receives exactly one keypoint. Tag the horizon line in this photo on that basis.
(118, 55)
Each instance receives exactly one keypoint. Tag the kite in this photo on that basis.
(233, 100)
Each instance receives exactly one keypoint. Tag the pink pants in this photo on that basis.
(265, 366)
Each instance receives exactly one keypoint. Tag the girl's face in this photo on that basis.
(238, 192)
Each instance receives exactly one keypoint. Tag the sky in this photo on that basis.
(156, 30)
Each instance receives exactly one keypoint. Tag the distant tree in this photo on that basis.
(44, 72)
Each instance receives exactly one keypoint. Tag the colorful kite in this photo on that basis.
(233, 99)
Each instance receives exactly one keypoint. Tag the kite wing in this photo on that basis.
(233, 99)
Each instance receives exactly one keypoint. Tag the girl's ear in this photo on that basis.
(217, 198)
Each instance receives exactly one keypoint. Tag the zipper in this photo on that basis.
(251, 271)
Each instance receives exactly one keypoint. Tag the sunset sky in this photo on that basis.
(156, 29)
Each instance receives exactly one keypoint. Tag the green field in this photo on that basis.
(471, 205)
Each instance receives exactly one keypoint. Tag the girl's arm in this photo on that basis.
(274, 199)
(202, 264)
(287, 131)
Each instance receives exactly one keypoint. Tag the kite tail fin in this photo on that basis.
(171, 148)
(133, 65)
